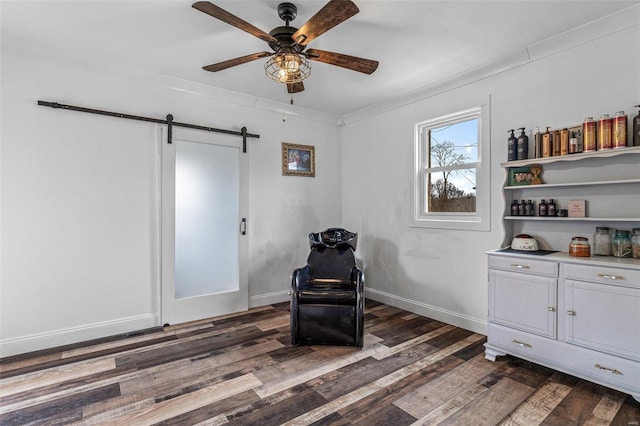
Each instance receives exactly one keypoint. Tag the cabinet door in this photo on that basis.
(522, 301)
(603, 317)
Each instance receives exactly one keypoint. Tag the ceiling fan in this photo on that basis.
(288, 62)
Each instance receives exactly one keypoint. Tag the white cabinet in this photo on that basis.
(600, 315)
(577, 315)
(525, 302)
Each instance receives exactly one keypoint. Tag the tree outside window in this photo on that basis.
(451, 168)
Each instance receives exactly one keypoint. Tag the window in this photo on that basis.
(449, 189)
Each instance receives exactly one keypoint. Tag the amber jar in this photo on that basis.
(579, 247)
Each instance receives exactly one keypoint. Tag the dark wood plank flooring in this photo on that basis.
(240, 369)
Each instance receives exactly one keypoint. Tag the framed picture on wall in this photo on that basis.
(298, 160)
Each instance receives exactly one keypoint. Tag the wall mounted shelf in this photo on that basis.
(573, 157)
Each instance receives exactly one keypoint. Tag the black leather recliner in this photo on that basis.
(327, 295)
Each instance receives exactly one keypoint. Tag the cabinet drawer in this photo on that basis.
(608, 370)
(603, 274)
(524, 265)
(520, 343)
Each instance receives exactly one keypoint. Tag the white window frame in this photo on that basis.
(478, 221)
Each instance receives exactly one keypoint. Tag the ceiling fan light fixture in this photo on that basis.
(287, 67)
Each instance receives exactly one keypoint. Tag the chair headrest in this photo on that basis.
(334, 238)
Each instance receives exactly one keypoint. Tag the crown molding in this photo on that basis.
(591, 31)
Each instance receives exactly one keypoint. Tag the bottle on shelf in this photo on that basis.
(589, 135)
(528, 208)
(537, 140)
(547, 148)
(636, 128)
(573, 143)
(514, 208)
(521, 208)
(619, 133)
(556, 143)
(564, 142)
(523, 145)
(542, 208)
(605, 125)
(551, 208)
(512, 147)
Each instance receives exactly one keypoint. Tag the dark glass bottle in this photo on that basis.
(512, 146)
(542, 208)
(523, 145)
(551, 208)
(514, 208)
(528, 208)
(521, 208)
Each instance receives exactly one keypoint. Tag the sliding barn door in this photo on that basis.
(204, 210)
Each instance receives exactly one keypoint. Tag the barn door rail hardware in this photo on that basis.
(168, 121)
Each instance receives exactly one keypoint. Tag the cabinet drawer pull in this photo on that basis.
(608, 370)
(551, 309)
(524, 345)
(515, 265)
(571, 313)
(611, 277)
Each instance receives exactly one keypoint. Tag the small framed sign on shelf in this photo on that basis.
(529, 175)
(577, 208)
(520, 176)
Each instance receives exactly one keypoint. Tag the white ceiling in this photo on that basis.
(418, 43)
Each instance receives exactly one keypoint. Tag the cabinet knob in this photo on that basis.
(571, 313)
(611, 277)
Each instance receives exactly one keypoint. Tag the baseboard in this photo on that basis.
(476, 325)
(36, 342)
(268, 298)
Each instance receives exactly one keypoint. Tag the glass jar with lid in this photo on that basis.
(602, 241)
(621, 244)
(635, 242)
(579, 247)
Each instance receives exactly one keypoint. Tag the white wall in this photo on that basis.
(79, 199)
(442, 273)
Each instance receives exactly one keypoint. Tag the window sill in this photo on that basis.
(453, 223)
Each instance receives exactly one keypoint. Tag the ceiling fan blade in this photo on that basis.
(221, 14)
(332, 14)
(295, 87)
(354, 63)
(236, 61)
